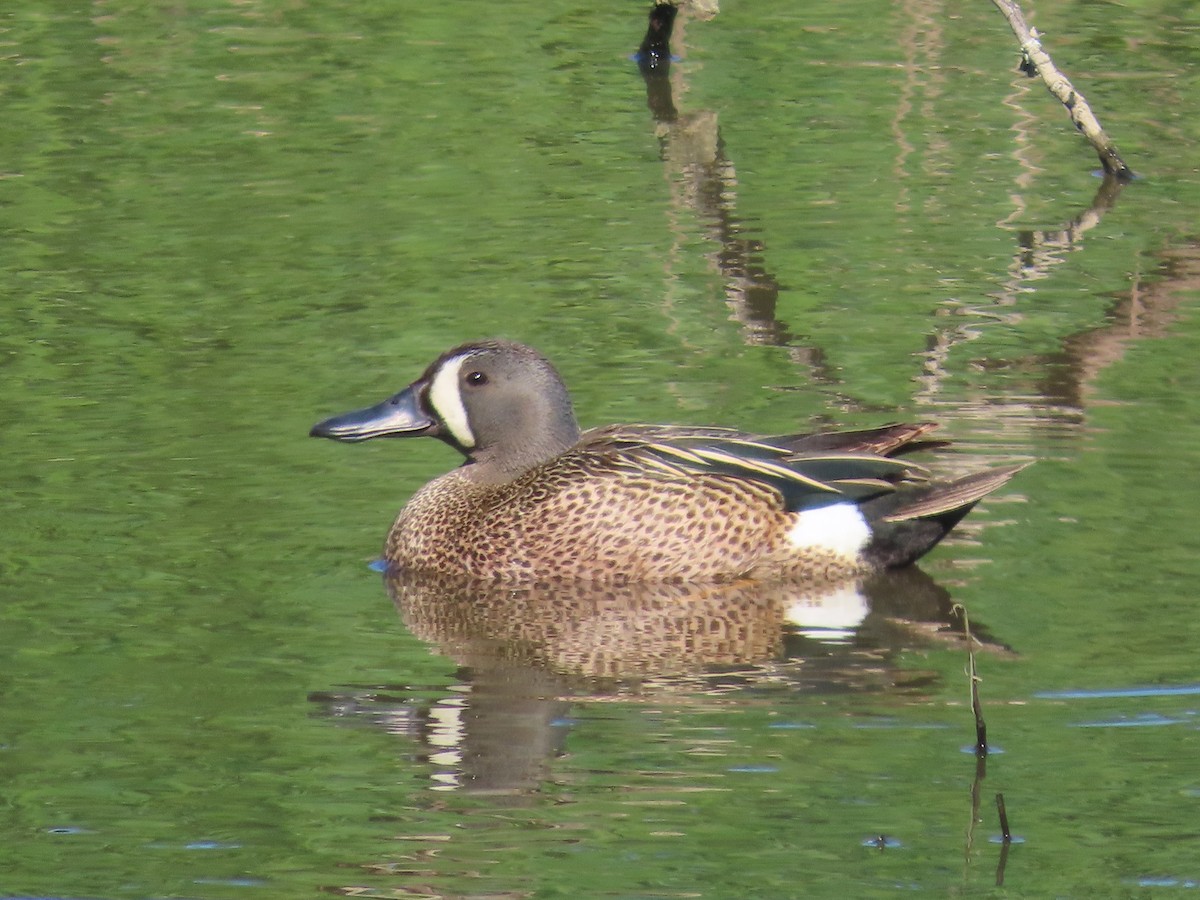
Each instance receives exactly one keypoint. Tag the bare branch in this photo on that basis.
(1035, 56)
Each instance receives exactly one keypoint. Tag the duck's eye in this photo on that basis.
(476, 378)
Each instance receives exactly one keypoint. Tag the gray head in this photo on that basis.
(500, 403)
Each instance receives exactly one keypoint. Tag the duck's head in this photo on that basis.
(501, 404)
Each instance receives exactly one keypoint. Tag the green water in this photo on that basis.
(221, 223)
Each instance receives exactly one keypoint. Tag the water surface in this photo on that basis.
(222, 223)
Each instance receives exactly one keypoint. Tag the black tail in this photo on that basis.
(909, 523)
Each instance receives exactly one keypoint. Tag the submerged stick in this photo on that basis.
(1002, 863)
(654, 54)
(1033, 54)
(1004, 832)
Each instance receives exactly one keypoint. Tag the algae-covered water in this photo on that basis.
(223, 222)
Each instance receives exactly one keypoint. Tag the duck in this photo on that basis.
(537, 500)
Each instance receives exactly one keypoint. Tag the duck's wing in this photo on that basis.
(805, 479)
(887, 440)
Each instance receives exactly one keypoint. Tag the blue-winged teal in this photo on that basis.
(538, 500)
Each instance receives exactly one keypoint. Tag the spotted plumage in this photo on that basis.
(537, 500)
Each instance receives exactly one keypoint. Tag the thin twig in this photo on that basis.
(1033, 54)
(981, 746)
(980, 732)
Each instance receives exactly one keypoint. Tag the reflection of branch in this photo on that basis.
(1146, 312)
(1023, 128)
(976, 793)
(704, 180)
(1081, 114)
(1037, 253)
(923, 43)
(751, 291)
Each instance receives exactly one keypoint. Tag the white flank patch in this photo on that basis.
(446, 400)
(839, 528)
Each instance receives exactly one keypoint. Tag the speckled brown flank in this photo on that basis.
(582, 517)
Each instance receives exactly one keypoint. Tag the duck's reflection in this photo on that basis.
(526, 654)
(612, 637)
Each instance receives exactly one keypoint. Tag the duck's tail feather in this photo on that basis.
(908, 524)
(951, 496)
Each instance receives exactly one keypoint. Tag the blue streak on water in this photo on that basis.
(790, 726)
(212, 845)
(378, 565)
(1168, 882)
(999, 839)
(67, 829)
(1142, 721)
(1179, 690)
